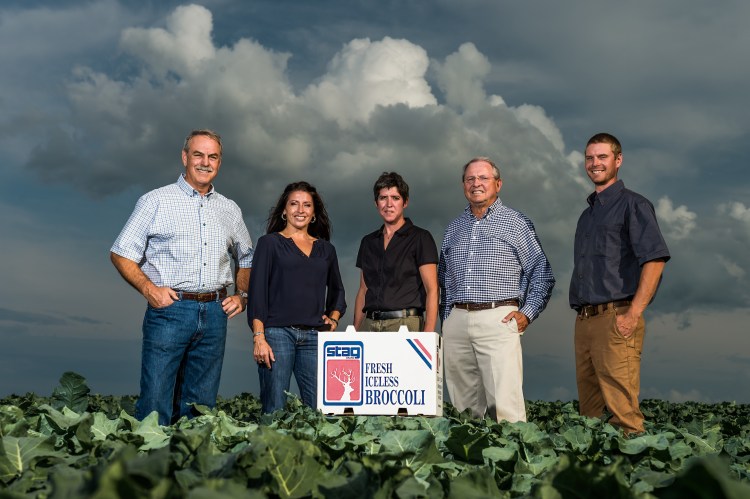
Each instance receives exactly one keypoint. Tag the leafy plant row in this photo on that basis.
(74, 444)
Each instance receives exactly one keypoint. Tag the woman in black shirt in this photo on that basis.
(295, 291)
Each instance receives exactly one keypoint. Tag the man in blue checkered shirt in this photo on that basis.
(495, 279)
(176, 249)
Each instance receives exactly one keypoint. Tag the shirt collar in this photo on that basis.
(607, 195)
(402, 230)
(496, 206)
(188, 189)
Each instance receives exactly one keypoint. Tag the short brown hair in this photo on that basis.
(606, 138)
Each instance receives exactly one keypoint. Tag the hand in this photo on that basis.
(331, 322)
(262, 352)
(233, 305)
(626, 324)
(521, 320)
(160, 296)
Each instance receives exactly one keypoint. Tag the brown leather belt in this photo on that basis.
(592, 310)
(204, 297)
(380, 315)
(472, 307)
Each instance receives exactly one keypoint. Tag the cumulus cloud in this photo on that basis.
(737, 211)
(678, 222)
(365, 74)
(372, 110)
(182, 47)
(461, 78)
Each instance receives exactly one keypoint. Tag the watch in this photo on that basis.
(242, 294)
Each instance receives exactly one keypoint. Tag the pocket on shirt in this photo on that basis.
(608, 240)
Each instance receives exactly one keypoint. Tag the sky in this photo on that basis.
(96, 98)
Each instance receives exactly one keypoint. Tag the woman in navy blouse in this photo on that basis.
(295, 291)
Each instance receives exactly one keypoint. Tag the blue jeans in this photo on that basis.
(181, 360)
(296, 351)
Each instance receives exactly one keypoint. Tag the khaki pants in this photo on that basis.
(413, 323)
(608, 369)
(484, 364)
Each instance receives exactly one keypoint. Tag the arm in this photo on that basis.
(359, 302)
(262, 351)
(647, 284)
(157, 297)
(536, 272)
(428, 272)
(235, 304)
(336, 298)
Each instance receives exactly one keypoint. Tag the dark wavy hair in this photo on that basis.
(320, 229)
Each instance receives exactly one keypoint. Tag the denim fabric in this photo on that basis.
(181, 360)
(296, 351)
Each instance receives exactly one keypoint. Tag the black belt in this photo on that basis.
(379, 315)
(204, 297)
(472, 307)
(592, 310)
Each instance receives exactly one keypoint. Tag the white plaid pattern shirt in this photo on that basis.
(184, 240)
(497, 257)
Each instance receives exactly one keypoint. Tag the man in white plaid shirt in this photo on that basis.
(176, 249)
(495, 279)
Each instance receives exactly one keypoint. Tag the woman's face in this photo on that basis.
(299, 210)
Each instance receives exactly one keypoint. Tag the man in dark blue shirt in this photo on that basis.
(619, 256)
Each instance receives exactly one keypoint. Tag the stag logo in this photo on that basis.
(343, 370)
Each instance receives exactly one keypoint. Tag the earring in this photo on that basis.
(313, 220)
(283, 216)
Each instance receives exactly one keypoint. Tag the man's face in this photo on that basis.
(480, 185)
(391, 205)
(202, 161)
(602, 165)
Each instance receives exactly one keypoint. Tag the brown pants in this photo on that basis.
(608, 369)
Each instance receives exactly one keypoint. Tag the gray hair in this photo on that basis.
(495, 169)
(202, 131)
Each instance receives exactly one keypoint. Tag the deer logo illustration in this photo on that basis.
(346, 382)
(342, 373)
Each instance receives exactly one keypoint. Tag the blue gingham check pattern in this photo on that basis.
(497, 257)
(184, 240)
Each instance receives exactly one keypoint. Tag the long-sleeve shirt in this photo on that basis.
(289, 288)
(496, 257)
(184, 240)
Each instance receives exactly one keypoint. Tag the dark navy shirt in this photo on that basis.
(615, 236)
(289, 288)
(392, 275)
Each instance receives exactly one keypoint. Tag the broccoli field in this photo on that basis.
(75, 444)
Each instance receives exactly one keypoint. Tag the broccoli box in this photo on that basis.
(396, 373)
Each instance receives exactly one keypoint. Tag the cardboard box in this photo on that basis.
(380, 373)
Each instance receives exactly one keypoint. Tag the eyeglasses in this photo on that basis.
(481, 180)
